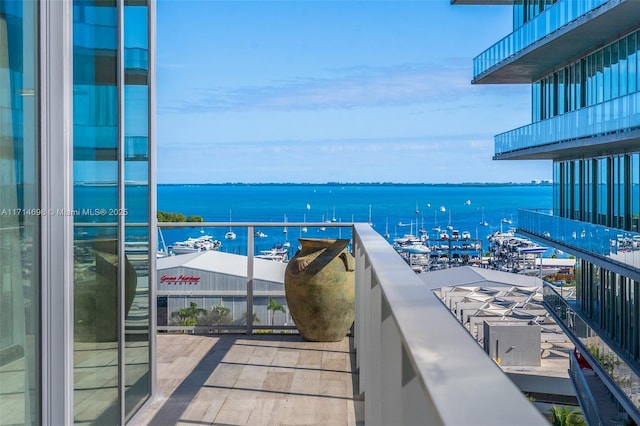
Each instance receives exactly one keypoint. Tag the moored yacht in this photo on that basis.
(193, 245)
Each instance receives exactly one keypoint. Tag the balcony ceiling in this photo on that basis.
(570, 42)
(615, 143)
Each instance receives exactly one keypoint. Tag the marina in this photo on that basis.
(431, 226)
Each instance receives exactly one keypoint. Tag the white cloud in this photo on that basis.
(407, 84)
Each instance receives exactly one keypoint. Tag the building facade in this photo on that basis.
(582, 60)
(76, 201)
(217, 282)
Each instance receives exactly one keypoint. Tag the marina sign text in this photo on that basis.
(182, 279)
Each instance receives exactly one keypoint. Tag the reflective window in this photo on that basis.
(19, 225)
(95, 172)
(136, 171)
(635, 191)
(632, 65)
(603, 75)
(606, 73)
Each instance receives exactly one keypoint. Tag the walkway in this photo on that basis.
(258, 380)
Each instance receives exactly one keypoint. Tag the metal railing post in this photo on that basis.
(250, 249)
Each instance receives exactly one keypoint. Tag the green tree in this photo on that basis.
(177, 217)
(274, 306)
(188, 316)
(564, 416)
(217, 315)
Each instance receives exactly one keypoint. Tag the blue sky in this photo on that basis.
(317, 91)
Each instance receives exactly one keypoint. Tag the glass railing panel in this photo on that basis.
(552, 19)
(616, 368)
(615, 245)
(618, 115)
(210, 305)
(587, 401)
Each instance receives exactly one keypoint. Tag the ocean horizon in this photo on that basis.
(396, 209)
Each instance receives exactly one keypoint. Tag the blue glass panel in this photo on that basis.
(593, 121)
(95, 167)
(611, 244)
(632, 68)
(136, 173)
(19, 216)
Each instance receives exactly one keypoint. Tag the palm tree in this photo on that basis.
(564, 416)
(189, 316)
(274, 306)
(243, 321)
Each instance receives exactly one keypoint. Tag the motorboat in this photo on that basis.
(276, 253)
(194, 245)
(466, 235)
(260, 234)
(182, 247)
(416, 249)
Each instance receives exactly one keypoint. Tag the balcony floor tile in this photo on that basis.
(257, 380)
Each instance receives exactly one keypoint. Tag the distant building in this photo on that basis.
(218, 280)
(582, 59)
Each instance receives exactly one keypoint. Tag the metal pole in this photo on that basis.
(250, 280)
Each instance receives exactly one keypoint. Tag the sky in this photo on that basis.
(332, 91)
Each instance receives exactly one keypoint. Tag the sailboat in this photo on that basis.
(304, 219)
(333, 219)
(230, 235)
(323, 228)
(436, 228)
(164, 251)
(483, 222)
(286, 243)
(370, 222)
(417, 209)
(386, 230)
(450, 226)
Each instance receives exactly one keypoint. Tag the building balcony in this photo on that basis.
(559, 34)
(612, 126)
(408, 360)
(618, 249)
(606, 368)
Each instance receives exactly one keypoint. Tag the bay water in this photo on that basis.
(394, 208)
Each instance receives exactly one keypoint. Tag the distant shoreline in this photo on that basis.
(494, 184)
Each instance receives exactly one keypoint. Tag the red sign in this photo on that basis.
(182, 279)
